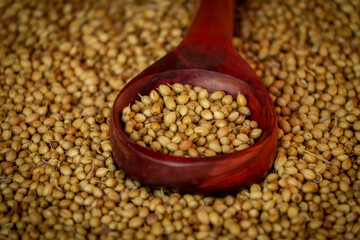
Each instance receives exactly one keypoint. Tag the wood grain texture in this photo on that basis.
(205, 58)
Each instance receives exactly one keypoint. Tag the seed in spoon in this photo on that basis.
(189, 121)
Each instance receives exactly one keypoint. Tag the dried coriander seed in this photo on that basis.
(191, 119)
(71, 77)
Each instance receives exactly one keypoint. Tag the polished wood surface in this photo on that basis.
(205, 58)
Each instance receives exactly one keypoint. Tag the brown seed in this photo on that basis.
(205, 103)
(219, 115)
(209, 153)
(65, 170)
(35, 217)
(255, 133)
(242, 147)
(187, 120)
(31, 118)
(145, 100)
(139, 117)
(202, 216)
(215, 219)
(185, 145)
(202, 131)
(193, 152)
(225, 148)
(235, 229)
(172, 147)
(169, 118)
(182, 99)
(215, 146)
(241, 100)
(164, 90)
(308, 174)
(217, 95)
(207, 115)
(91, 111)
(170, 103)
(309, 187)
(233, 116)
(154, 96)
(135, 136)
(155, 109)
(223, 132)
(136, 222)
(177, 87)
(203, 94)
(243, 138)
(183, 110)
(164, 141)
(101, 172)
(114, 196)
(244, 111)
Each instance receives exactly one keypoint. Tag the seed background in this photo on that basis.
(62, 65)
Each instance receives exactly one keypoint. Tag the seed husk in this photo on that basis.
(185, 145)
(164, 141)
(177, 87)
(219, 115)
(207, 115)
(139, 117)
(170, 103)
(202, 131)
(182, 99)
(241, 100)
(215, 146)
(164, 90)
(169, 118)
(217, 95)
(183, 110)
(154, 96)
(255, 133)
(205, 103)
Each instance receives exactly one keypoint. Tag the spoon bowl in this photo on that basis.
(205, 58)
(221, 173)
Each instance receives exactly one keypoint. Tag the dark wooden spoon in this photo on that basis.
(204, 58)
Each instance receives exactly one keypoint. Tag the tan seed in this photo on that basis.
(241, 100)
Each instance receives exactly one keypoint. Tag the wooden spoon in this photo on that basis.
(204, 58)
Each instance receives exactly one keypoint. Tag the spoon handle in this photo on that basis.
(212, 24)
(207, 44)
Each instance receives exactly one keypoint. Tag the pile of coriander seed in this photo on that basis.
(187, 121)
(62, 64)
